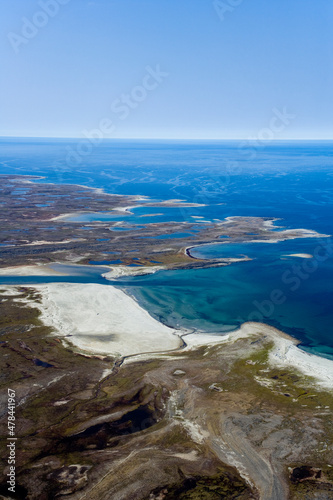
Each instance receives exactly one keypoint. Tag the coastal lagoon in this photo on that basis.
(291, 182)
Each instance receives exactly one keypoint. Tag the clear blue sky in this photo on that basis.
(225, 76)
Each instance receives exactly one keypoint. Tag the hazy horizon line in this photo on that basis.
(166, 138)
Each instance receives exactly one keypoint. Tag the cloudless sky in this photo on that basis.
(225, 76)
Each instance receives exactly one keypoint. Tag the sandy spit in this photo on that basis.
(285, 353)
(119, 271)
(45, 270)
(30, 270)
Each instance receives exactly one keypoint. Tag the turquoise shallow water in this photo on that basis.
(290, 293)
(292, 181)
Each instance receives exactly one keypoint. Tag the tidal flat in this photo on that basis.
(36, 229)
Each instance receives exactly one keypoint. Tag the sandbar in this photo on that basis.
(300, 255)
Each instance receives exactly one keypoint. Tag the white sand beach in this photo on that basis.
(286, 353)
(102, 319)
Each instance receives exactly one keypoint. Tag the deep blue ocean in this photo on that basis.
(291, 181)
